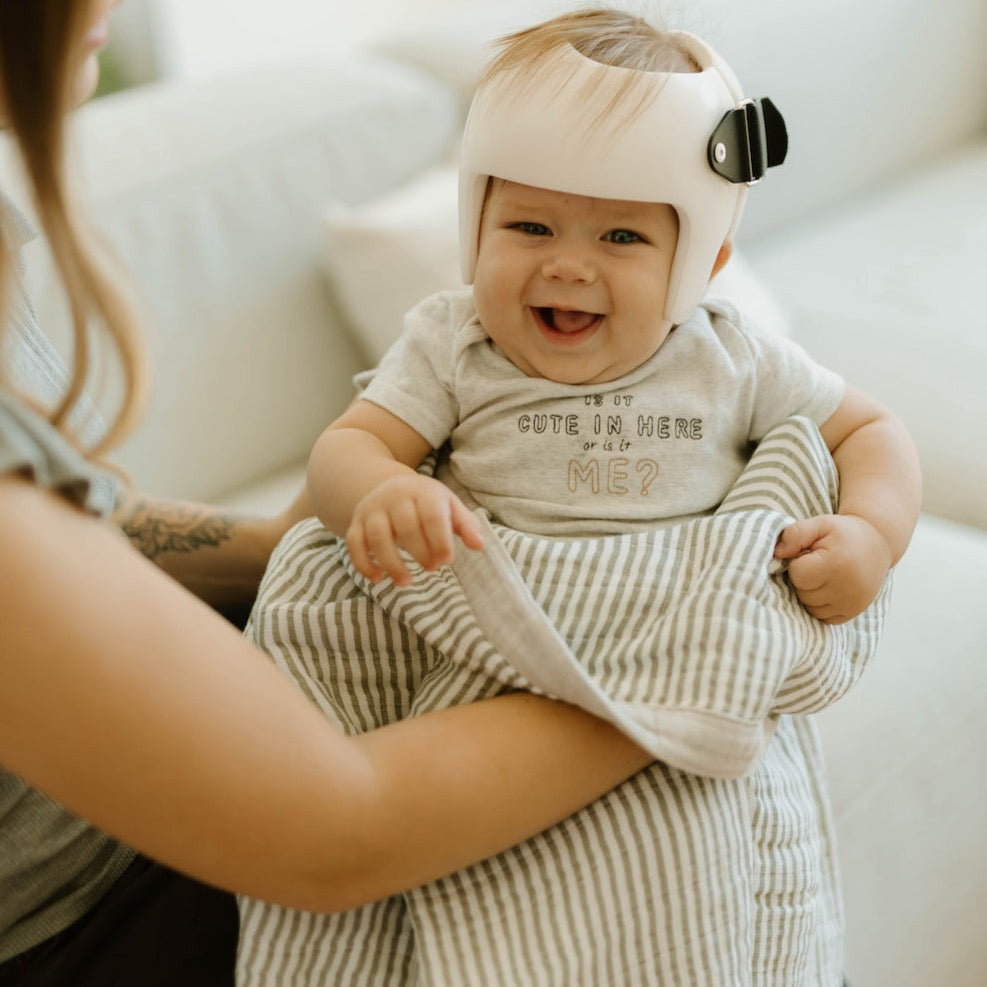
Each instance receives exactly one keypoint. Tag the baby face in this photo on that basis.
(572, 288)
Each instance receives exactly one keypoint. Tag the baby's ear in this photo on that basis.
(724, 254)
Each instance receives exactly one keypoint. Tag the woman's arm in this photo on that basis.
(138, 708)
(216, 553)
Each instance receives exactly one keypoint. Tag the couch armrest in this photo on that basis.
(904, 752)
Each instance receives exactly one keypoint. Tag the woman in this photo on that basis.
(131, 704)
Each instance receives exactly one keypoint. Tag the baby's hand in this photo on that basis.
(413, 512)
(838, 564)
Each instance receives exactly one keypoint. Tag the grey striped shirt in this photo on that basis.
(53, 866)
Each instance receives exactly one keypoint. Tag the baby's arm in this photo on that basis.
(363, 486)
(839, 562)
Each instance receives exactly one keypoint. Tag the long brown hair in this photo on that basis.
(40, 51)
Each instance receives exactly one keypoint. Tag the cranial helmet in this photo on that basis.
(689, 139)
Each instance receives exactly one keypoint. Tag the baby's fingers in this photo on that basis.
(360, 555)
(801, 537)
(466, 524)
(441, 521)
(411, 531)
(809, 573)
(379, 556)
(818, 589)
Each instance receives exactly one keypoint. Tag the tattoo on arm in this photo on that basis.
(175, 528)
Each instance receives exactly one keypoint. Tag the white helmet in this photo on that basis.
(692, 141)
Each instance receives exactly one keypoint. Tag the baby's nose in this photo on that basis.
(568, 264)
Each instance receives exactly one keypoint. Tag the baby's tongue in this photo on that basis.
(571, 321)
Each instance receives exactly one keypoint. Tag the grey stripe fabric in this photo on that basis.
(714, 866)
(34, 363)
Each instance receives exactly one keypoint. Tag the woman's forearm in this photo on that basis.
(506, 768)
(133, 705)
(216, 553)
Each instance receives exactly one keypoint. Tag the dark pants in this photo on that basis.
(154, 928)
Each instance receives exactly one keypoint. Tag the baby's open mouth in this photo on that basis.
(566, 320)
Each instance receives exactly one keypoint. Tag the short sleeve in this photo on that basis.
(31, 445)
(414, 380)
(789, 382)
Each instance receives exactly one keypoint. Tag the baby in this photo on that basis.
(581, 386)
(582, 389)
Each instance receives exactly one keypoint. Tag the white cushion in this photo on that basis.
(905, 755)
(456, 46)
(384, 256)
(211, 191)
(740, 284)
(889, 292)
(268, 494)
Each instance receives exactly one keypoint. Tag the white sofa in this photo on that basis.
(872, 241)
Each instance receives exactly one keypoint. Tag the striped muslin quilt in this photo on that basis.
(713, 867)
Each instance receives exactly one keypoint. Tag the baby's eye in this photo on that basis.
(623, 236)
(532, 229)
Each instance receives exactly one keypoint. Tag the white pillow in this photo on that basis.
(739, 284)
(385, 256)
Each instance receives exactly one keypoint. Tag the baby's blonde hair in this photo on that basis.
(601, 34)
